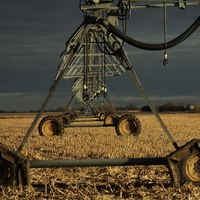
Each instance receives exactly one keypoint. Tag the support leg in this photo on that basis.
(141, 89)
(66, 61)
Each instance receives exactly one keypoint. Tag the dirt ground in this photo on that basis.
(100, 183)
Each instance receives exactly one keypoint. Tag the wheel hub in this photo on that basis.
(197, 166)
(50, 128)
(193, 167)
(128, 127)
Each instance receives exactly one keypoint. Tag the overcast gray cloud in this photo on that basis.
(33, 35)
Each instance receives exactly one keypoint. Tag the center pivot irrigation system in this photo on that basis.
(93, 52)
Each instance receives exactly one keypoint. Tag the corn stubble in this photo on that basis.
(101, 183)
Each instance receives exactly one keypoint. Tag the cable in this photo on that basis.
(165, 61)
(105, 50)
(125, 13)
(142, 45)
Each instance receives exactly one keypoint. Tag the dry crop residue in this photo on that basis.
(130, 182)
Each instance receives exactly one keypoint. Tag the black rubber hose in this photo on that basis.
(146, 46)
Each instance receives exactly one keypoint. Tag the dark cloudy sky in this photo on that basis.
(33, 35)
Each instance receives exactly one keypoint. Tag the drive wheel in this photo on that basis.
(50, 126)
(191, 167)
(98, 114)
(102, 116)
(128, 125)
(71, 116)
(65, 119)
(111, 119)
(7, 173)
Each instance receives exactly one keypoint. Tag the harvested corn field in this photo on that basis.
(123, 182)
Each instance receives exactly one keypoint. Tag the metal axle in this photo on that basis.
(86, 116)
(183, 164)
(86, 120)
(97, 162)
(88, 125)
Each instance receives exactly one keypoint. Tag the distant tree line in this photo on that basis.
(170, 106)
(129, 106)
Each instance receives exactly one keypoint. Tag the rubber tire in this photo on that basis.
(71, 116)
(189, 172)
(111, 119)
(50, 126)
(75, 115)
(7, 173)
(65, 119)
(128, 125)
(102, 116)
(99, 114)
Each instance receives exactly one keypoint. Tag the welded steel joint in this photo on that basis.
(184, 163)
(14, 169)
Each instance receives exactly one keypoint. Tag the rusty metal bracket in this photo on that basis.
(14, 167)
(184, 163)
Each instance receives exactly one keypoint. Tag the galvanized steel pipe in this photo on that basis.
(88, 125)
(97, 162)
